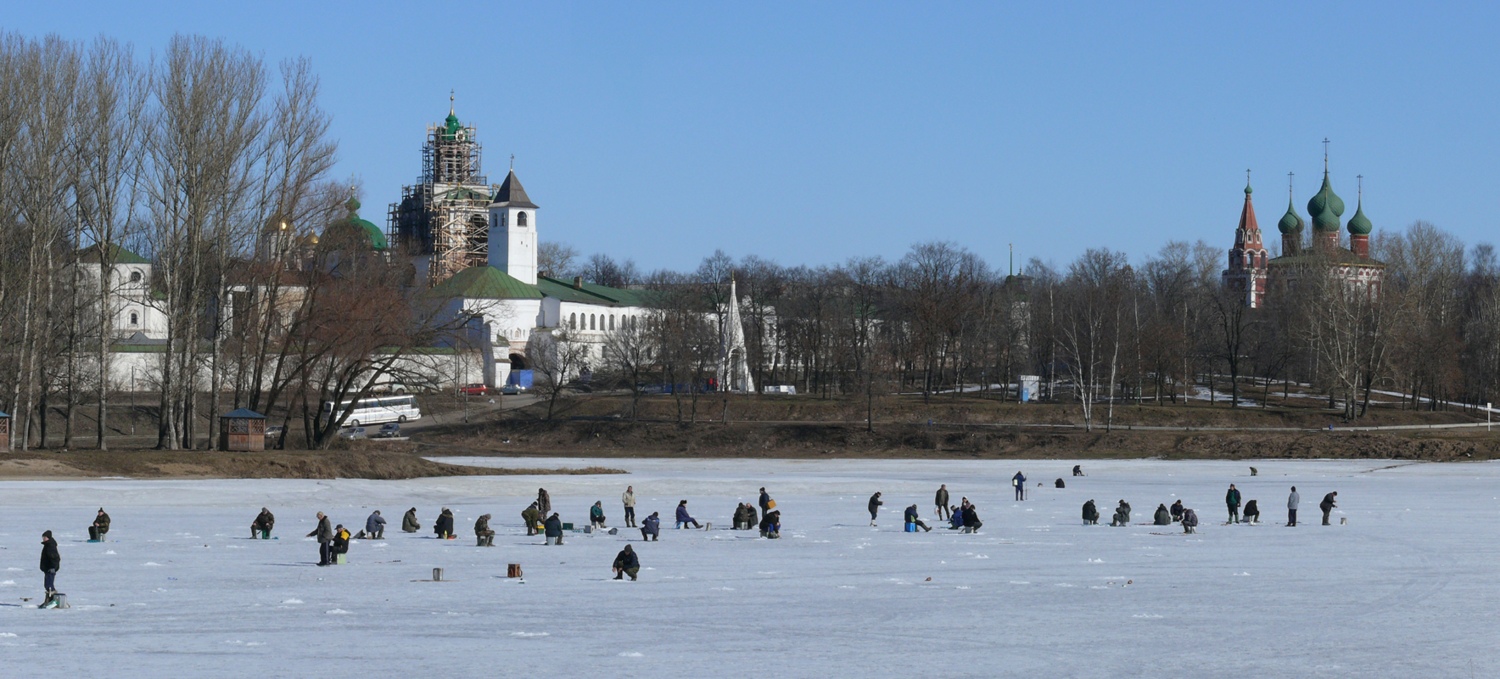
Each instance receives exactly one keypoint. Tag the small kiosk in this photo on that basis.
(242, 430)
(4, 433)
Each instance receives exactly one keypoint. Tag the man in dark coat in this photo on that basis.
(651, 527)
(543, 502)
(375, 526)
(971, 519)
(409, 523)
(1163, 517)
(553, 529)
(99, 527)
(482, 531)
(627, 563)
(874, 507)
(1189, 521)
(1078, 470)
(1232, 499)
(261, 527)
(1252, 512)
(912, 518)
(941, 500)
(739, 517)
(1090, 513)
(51, 562)
(324, 535)
(765, 501)
(1019, 481)
(751, 519)
(532, 516)
(1177, 511)
(1327, 505)
(1122, 514)
(770, 525)
(340, 542)
(444, 524)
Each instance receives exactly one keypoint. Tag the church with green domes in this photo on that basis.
(1260, 278)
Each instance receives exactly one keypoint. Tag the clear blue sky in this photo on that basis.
(811, 132)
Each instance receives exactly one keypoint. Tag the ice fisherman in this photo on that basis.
(955, 518)
(324, 535)
(1232, 500)
(1019, 481)
(651, 527)
(1177, 511)
(531, 516)
(770, 525)
(1189, 521)
(913, 518)
(409, 523)
(261, 526)
(375, 526)
(99, 527)
(1078, 470)
(1327, 505)
(1090, 513)
(543, 502)
(340, 542)
(51, 562)
(874, 507)
(628, 499)
(683, 518)
(1163, 517)
(1122, 514)
(482, 532)
(596, 514)
(627, 563)
(1291, 506)
(941, 500)
(553, 528)
(443, 527)
(971, 519)
(1251, 514)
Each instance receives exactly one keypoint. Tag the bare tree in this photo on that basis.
(557, 357)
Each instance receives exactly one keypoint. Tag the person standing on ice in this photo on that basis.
(765, 501)
(1327, 505)
(1291, 506)
(683, 518)
(874, 507)
(324, 535)
(1232, 499)
(261, 527)
(375, 526)
(409, 523)
(1163, 517)
(651, 528)
(543, 502)
(553, 528)
(627, 563)
(914, 519)
(942, 502)
(51, 562)
(1019, 481)
(628, 499)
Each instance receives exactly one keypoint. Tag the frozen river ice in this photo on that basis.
(1407, 588)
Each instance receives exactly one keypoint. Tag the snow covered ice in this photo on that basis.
(1406, 588)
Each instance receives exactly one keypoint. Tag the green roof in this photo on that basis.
(377, 237)
(594, 293)
(1291, 222)
(1359, 224)
(115, 255)
(462, 193)
(483, 282)
(1325, 207)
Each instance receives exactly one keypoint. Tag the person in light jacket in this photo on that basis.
(1291, 506)
(628, 499)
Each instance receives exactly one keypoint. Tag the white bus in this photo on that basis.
(376, 410)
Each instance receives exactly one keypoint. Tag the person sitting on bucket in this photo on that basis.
(1078, 470)
(554, 530)
(99, 527)
(1090, 513)
(340, 542)
(627, 563)
(596, 514)
(261, 527)
(683, 518)
(912, 518)
(375, 526)
(482, 532)
(409, 523)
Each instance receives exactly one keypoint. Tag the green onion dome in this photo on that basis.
(1325, 197)
(1291, 222)
(1359, 224)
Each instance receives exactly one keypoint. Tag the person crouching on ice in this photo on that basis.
(651, 527)
(1251, 513)
(1189, 521)
(627, 563)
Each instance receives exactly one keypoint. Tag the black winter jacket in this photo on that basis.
(51, 560)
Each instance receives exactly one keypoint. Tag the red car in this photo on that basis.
(475, 389)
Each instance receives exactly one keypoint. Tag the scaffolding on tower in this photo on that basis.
(443, 220)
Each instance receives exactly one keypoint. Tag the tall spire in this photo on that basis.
(450, 102)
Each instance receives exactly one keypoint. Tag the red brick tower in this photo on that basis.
(1248, 258)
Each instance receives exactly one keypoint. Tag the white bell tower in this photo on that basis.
(513, 240)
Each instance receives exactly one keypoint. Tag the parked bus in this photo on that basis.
(376, 410)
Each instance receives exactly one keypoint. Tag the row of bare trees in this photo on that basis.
(215, 170)
(1098, 332)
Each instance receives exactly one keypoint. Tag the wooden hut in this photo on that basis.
(242, 430)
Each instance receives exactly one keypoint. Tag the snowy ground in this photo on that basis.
(1406, 589)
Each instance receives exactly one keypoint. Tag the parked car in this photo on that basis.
(510, 390)
(475, 389)
(388, 430)
(273, 432)
(352, 433)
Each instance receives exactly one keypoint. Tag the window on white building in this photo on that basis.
(135, 277)
(520, 219)
(572, 321)
(134, 319)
